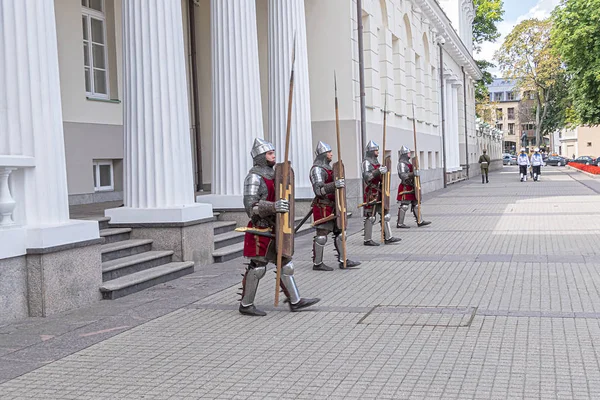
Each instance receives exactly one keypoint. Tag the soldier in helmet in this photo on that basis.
(324, 186)
(406, 190)
(262, 207)
(371, 172)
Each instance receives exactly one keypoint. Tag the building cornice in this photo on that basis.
(454, 45)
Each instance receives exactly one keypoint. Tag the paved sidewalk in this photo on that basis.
(498, 298)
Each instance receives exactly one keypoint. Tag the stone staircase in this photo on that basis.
(229, 244)
(130, 265)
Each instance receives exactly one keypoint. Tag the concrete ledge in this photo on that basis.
(73, 231)
(177, 214)
(13, 241)
(68, 246)
(162, 224)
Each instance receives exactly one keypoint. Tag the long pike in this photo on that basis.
(416, 168)
(340, 204)
(286, 176)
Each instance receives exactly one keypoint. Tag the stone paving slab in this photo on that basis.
(452, 312)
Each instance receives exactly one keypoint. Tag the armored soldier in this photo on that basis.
(324, 186)
(259, 246)
(371, 172)
(406, 190)
(484, 163)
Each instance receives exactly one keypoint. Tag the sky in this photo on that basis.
(515, 11)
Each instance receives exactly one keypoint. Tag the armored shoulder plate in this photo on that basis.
(254, 190)
(404, 172)
(367, 170)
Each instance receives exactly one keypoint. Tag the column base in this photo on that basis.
(13, 241)
(175, 214)
(73, 231)
(223, 201)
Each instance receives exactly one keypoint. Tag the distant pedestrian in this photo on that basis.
(536, 163)
(484, 163)
(523, 161)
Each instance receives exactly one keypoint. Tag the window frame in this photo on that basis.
(89, 13)
(97, 185)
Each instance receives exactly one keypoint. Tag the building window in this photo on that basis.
(103, 175)
(498, 113)
(510, 95)
(511, 113)
(95, 59)
(498, 96)
(511, 129)
(589, 144)
(499, 126)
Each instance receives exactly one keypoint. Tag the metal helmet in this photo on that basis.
(322, 148)
(261, 146)
(372, 146)
(404, 150)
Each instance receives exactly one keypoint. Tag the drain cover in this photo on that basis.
(419, 316)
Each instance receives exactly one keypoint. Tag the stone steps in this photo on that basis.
(141, 280)
(138, 262)
(112, 251)
(228, 238)
(113, 235)
(130, 265)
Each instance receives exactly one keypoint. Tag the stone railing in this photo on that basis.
(12, 216)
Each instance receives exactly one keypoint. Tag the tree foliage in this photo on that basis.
(576, 39)
(487, 14)
(527, 57)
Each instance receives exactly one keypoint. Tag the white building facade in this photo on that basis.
(157, 104)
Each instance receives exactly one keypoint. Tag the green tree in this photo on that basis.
(527, 57)
(487, 14)
(576, 38)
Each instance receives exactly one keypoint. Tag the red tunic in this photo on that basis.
(406, 188)
(372, 190)
(256, 245)
(323, 208)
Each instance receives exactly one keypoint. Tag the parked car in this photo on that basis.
(557, 161)
(587, 160)
(597, 162)
(509, 159)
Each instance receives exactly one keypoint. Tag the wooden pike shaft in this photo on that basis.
(383, 176)
(416, 167)
(286, 176)
(342, 173)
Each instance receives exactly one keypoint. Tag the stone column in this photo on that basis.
(57, 264)
(237, 110)
(286, 19)
(159, 187)
(31, 123)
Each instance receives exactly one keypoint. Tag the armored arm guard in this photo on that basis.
(317, 179)
(254, 192)
(369, 172)
(404, 173)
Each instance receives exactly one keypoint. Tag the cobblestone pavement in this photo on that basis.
(498, 298)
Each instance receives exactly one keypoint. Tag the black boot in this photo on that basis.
(392, 240)
(251, 310)
(370, 243)
(482, 179)
(322, 267)
(303, 303)
(402, 226)
(349, 264)
(423, 223)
